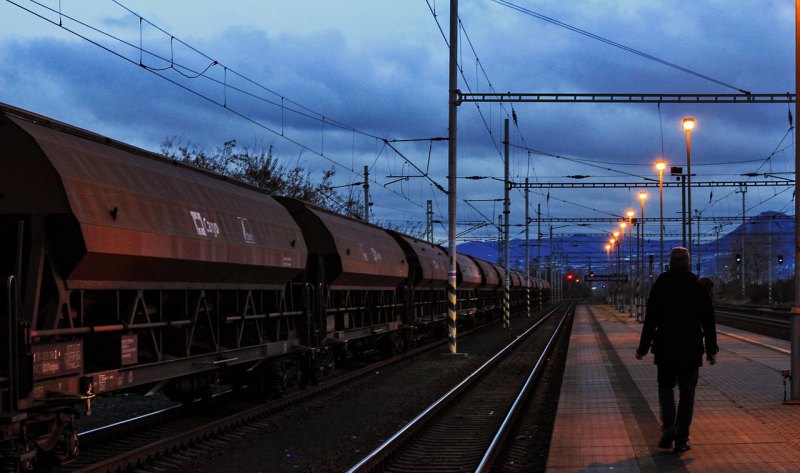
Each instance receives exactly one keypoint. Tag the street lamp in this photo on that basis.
(618, 291)
(609, 246)
(677, 171)
(688, 126)
(661, 165)
(622, 296)
(642, 198)
(629, 223)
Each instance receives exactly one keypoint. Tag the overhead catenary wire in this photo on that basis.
(629, 49)
(466, 82)
(460, 68)
(193, 74)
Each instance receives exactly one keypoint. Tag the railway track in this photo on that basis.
(765, 322)
(165, 440)
(466, 428)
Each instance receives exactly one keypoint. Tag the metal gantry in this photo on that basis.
(623, 98)
(644, 184)
(621, 218)
(457, 97)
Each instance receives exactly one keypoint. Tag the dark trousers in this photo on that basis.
(686, 379)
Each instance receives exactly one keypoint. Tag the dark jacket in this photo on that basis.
(679, 319)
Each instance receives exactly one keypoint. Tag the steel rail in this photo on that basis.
(374, 458)
(172, 444)
(755, 342)
(768, 321)
(517, 407)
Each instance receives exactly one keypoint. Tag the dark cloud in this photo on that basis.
(397, 90)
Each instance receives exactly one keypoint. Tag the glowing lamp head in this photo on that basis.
(622, 225)
(630, 213)
(616, 235)
(661, 165)
(643, 196)
(688, 124)
(608, 247)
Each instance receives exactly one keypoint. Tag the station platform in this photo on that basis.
(608, 415)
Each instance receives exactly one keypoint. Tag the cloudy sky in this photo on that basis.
(326, 83)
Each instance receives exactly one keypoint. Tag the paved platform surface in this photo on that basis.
(608, 421)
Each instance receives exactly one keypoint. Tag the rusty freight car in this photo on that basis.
(124, 270)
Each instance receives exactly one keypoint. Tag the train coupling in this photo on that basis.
(88, 397)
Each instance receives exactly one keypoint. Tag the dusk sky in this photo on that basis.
(364, 71)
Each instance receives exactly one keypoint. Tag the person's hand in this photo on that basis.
(638, 356)
(712, 359)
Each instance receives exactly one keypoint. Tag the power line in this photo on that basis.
(615, 44)
(200, 74)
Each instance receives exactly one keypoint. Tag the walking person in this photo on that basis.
(678, 328)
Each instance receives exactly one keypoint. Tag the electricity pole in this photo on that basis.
(527, 255)
(506, 235)
(795, 361)
(366, 194)
(742, 273)
(429, 229)
(452, 174)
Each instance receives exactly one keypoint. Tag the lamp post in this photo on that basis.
(618, 291)
(697, 256)
(688, 126)
(645, 275)
(608, 255)
(623, 287)
(611, 244)
(630, 215)
(661, 165)
(677, 171)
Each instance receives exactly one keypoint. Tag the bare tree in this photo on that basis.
(412, 229)
(260, 168)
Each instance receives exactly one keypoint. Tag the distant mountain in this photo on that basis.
(769, 233)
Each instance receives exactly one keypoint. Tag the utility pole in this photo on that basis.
(551, 266)
(539, 241)
(742, 273)
(366, 194)
(717, 231)
(795, 356)
(769, 262)
(506, 259)
(429, 228)
(452, 174)
(527, 254)
(640, 269)
(697, 213)
(500, 244)
(539, 248)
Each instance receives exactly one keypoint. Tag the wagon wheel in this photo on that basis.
(271, 385)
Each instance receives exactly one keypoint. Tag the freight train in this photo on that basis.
(124, 270)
